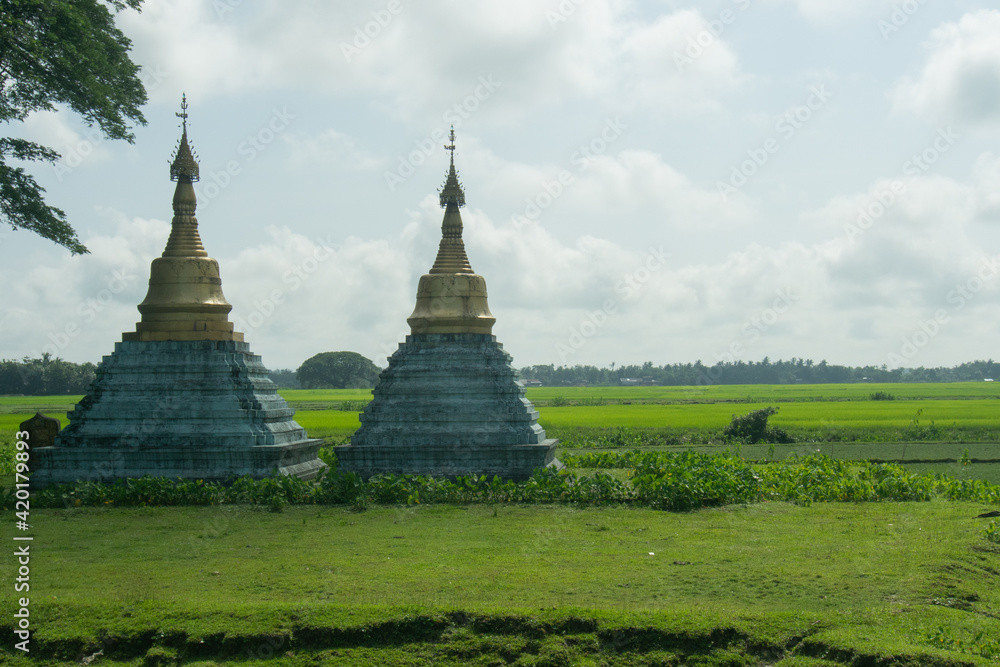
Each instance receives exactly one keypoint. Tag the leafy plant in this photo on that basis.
(992, 532)
(981, 644)
(916, 431)
(881, 396)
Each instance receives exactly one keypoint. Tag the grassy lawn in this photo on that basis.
(841, 580)
(770, 556)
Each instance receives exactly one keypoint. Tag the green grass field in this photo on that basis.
(815, 416)
(853, 583)
(828, 585)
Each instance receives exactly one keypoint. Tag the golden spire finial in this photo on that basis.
(452, 192)
(185, 164)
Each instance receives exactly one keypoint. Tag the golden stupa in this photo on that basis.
(451, 298)
(185, 299)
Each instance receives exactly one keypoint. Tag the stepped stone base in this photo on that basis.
(192, 409)
(217, 464)
(516, 462)
(448, 405)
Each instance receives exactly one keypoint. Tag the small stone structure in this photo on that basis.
(41, 429)
(182, 395)
(449, 403)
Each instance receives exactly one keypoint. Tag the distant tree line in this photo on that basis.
(49, 376)
(761, 372)
(45, 376)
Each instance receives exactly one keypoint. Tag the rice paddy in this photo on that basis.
(931, 424)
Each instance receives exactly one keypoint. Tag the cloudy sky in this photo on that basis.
(658, 181)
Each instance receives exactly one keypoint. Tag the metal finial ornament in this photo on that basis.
(452, 192)
(183, 114)
(451, 146)
(184, 165)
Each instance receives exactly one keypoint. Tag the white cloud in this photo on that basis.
(677, 62)
(77, 144)
(986, 179)
(588, 300)
(82, 303)
(422, 61)
(295, 296)
(640, 181)
(329, 148)
(961, 77)
(648, 196)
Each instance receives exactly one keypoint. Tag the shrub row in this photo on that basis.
(673, 481)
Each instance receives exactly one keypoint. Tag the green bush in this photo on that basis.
(881, 396)
(752, 428)
(674, 481)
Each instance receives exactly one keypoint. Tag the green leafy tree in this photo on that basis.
(337, 370)
(60, 52)
(44, 376)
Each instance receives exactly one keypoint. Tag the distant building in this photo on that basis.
(531, 383)
(645, 381)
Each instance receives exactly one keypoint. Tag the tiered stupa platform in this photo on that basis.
(449, 403)
(182, 395)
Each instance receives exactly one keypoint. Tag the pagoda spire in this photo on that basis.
(451, 257)
(451, 297)
(184, 241)
(185, 299)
